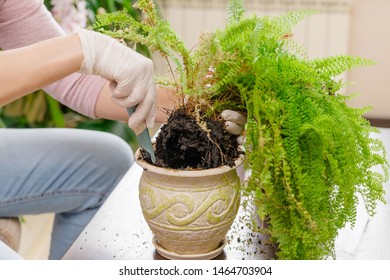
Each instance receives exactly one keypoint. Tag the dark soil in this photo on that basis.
(183, 144)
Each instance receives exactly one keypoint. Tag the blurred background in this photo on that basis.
(354, 27)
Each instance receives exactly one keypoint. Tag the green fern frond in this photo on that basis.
(293, 47)
(284, 23)
(236, 10)
(121, 25)
(119, 20)
(336, 65)
(149, 10)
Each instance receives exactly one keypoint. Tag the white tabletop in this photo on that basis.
(118, 230)
(370, 237)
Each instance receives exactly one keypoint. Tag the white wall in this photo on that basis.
(356, 27)
(323, 34)
(370, 38)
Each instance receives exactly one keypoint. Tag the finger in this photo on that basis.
(122, 90)
(137, 128)
(241, 140)
(145, 109)
(112, 85)
(234, 128)
(123, 102)
(234, 116)
(135, 122)
(128, 100)
(144, 113)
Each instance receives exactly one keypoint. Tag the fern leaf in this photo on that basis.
(335, 65)
(235, 10)
(148, 8)
(287, 21)
(295, 48)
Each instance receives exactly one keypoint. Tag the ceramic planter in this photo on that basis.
(189, 212)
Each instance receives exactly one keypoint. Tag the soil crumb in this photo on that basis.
(183, 144)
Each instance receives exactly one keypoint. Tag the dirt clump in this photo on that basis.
(183, 144)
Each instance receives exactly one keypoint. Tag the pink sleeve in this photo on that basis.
(24, 22)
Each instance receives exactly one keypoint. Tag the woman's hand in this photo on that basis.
(234, 121)
(235, 124)
(130, 74)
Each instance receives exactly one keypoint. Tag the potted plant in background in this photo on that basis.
(308, 155)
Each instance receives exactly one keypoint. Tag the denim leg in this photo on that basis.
(66, 171)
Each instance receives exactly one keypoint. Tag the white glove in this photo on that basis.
(234, 121)
(130, 74)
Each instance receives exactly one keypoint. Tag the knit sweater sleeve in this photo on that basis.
(24, 22)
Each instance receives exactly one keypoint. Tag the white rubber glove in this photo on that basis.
(234, 121)
(130, 74)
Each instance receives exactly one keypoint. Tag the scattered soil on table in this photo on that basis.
(182, 143)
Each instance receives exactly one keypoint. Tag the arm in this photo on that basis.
(106, 109)
(29, 68)
(130, 74)
(55, 59)
(25, 22)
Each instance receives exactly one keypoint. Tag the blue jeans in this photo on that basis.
(68, 172)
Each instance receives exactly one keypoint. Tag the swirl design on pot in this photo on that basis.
(184, 209)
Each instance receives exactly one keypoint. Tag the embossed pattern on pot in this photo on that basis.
(189, 214)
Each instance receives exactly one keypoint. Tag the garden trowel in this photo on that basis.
(144, 140)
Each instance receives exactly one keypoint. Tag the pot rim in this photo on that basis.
(185, 173)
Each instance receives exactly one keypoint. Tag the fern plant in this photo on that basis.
(309, 154)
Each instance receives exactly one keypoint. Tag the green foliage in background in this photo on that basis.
(309, 156)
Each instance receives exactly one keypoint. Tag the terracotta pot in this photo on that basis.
(189, 212)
